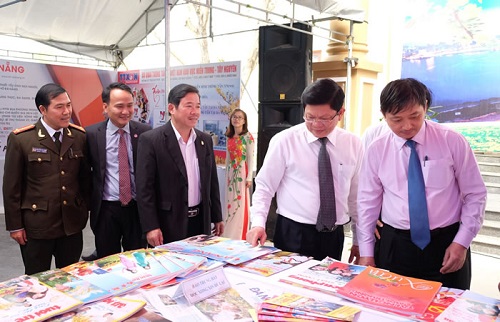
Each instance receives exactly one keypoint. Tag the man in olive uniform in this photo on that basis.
(46, 184)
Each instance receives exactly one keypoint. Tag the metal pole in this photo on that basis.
(167, 51)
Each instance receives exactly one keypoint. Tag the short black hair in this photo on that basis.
(178, 92)
(47, 93)
(403, 93)
(116, 85)
(323, 91)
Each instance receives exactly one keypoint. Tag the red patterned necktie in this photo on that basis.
(123, 170)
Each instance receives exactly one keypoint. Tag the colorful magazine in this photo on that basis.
(441, 301)
(137, 266)
(273, 263)
(390, 292)
(298, 304)
(92, 273)
(472, 307)
(269, 315)
(326, 276)
(71, 285)
(24, 298)
(227, 305)
(108, 310)
(219, 248)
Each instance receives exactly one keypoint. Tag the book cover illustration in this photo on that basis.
(295, 303)
(326, 276)
(71, 285)
(137, 266)
(252, 290)
(227, 305)
(390, 292)
(92, 273)
(24, 298)
(112, 309)
(273, 263)
(218, 248)
(472, 307)
(441, 301)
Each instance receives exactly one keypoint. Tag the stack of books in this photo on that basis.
(326, 276)
(219, 248)
(294, 307)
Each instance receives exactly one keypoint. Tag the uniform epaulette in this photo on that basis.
(77, 127)
(24, 128)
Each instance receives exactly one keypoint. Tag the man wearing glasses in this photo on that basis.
(293, 168)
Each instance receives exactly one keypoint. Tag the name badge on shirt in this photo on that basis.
(39, 150)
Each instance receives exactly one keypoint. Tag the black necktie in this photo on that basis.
(57, 141)
(327, 216)
(417, 202)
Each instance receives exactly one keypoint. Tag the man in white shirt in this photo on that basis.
(290, 170)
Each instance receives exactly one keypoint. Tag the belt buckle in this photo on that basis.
(193, 213)
(328, 230)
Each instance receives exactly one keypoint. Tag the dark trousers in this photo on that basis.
(195, 224)
(118, 227)
(396, 252)
(37, 253)
(301, 238)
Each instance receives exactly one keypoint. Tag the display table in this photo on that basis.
(254, 289)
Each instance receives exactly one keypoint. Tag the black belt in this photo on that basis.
(324, 230)
(434, 232)
(328, 230)
(118, 203)
(194, 211)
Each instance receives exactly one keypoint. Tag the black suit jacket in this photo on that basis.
(162, 185)
(96, 141)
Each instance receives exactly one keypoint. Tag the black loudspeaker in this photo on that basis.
(285, 62)
(274, 118)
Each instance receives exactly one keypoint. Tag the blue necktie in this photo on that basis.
(327, 215)
(419, 218)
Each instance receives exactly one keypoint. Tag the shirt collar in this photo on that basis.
(192, 135)
(419, 137)
(113, 128)
(332, 136)
(50, 130)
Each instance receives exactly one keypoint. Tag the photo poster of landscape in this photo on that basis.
(453, 47)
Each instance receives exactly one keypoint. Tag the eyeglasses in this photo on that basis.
(234, 117)
(323, 121)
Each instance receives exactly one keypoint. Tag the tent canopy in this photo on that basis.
(109, 30)
(105, 30)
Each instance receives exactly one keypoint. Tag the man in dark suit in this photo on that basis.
(46, 184)
(177, 186)
(115, 222)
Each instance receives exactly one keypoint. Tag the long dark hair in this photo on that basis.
(230, 130)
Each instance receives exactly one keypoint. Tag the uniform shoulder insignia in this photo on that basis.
(77, 127)
(24, 128)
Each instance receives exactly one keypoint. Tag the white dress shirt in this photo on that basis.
(290, 170)
(188, 150)
(51, 131)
